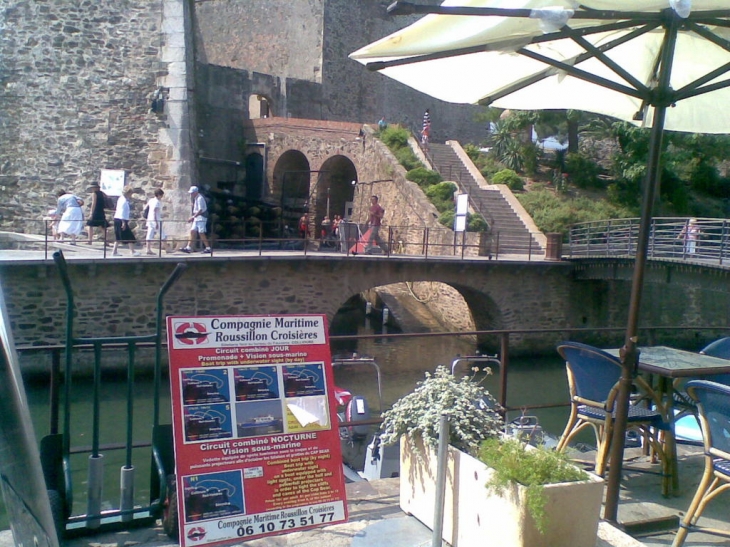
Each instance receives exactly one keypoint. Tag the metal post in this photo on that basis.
(441, 466)
(629, 352)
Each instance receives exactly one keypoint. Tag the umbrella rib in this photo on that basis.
(579, 59)
(607, 61)
(380, 65)
(409, 8)
(583, 75)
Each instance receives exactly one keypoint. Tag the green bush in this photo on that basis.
(510, 178)
(423, 177)
(476, 223)
(512, 462)
(442, 195)
(447, 218)
(553, 214)
(407, 158)
(395, 137)
(582, 170)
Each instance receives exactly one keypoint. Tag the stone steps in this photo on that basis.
(509, 233)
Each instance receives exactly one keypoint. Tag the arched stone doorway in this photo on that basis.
(334, 188)
(292, 175)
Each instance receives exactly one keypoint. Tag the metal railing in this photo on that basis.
(62, 377)
(267, 237)
(670, 238)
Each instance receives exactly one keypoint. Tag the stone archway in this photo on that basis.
(292, 176)
(334, 188)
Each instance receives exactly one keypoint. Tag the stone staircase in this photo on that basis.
(509, 233)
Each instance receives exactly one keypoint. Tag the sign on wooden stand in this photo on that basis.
(257, 448)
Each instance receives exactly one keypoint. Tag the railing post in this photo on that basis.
(425, 242)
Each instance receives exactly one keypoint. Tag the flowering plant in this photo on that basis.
(472, 412)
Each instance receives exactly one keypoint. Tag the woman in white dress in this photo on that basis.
(71, 214)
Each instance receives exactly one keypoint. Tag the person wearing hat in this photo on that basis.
(199, 219)
(98, 216)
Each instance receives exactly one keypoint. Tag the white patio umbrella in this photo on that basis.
(661, 64)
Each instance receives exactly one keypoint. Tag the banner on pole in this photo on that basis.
(257, 447)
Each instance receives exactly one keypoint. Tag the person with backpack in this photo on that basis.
(98, 205)
(199, 219)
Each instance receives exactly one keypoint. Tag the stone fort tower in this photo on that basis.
(163, 89)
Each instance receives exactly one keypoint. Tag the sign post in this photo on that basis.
(257, 448)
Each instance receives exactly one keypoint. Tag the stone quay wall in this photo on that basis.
(115, 299)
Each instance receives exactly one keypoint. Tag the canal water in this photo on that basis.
(403, 362)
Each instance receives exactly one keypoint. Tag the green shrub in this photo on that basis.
(476, 223)
(553, 214)
(407, 158)
(582, 170)
(423, 177)
(442, 195)
(510, 178)
(513, 462)
(447, 218)
(395, 137)
(473, 152)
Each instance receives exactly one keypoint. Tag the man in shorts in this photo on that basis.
(199, 219)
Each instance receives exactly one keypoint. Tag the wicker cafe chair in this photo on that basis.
(682, 401)
(593, 377)
(713, 402)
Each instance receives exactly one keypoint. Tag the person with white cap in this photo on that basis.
(199, 219)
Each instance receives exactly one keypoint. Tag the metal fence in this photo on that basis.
(701, 239)
(270, 236)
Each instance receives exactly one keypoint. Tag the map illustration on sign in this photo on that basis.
(205, 422)
(254, 383)
(205, 386)
(213, 495)
(303, 380)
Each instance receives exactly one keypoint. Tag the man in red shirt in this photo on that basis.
(374, 221)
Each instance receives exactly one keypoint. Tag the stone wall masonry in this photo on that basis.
(115, 299)
(305, 45)
(77, 81)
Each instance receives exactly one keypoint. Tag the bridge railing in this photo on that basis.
(701, 239)
(271, 236)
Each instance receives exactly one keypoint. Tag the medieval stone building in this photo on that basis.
(163, 92)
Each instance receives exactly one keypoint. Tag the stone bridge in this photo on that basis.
(118, 297)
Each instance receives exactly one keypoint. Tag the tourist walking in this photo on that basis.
(154, 220)
(690, 234)
(68, 209)
(122, 232)
(98, 214)
(375, 220)
(199, 220)
(426, 127)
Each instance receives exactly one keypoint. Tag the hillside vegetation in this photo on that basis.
(601, 173)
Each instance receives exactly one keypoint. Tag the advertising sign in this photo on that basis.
(257, 447)
(112, 181)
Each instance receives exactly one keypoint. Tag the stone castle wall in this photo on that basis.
(77, 81)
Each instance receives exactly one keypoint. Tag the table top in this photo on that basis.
(677, 363)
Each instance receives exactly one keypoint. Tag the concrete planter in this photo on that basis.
(474, 516)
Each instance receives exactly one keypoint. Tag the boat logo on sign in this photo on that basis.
(196, 534)
(191, 334)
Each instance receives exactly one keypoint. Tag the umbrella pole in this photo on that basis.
(629, 354)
